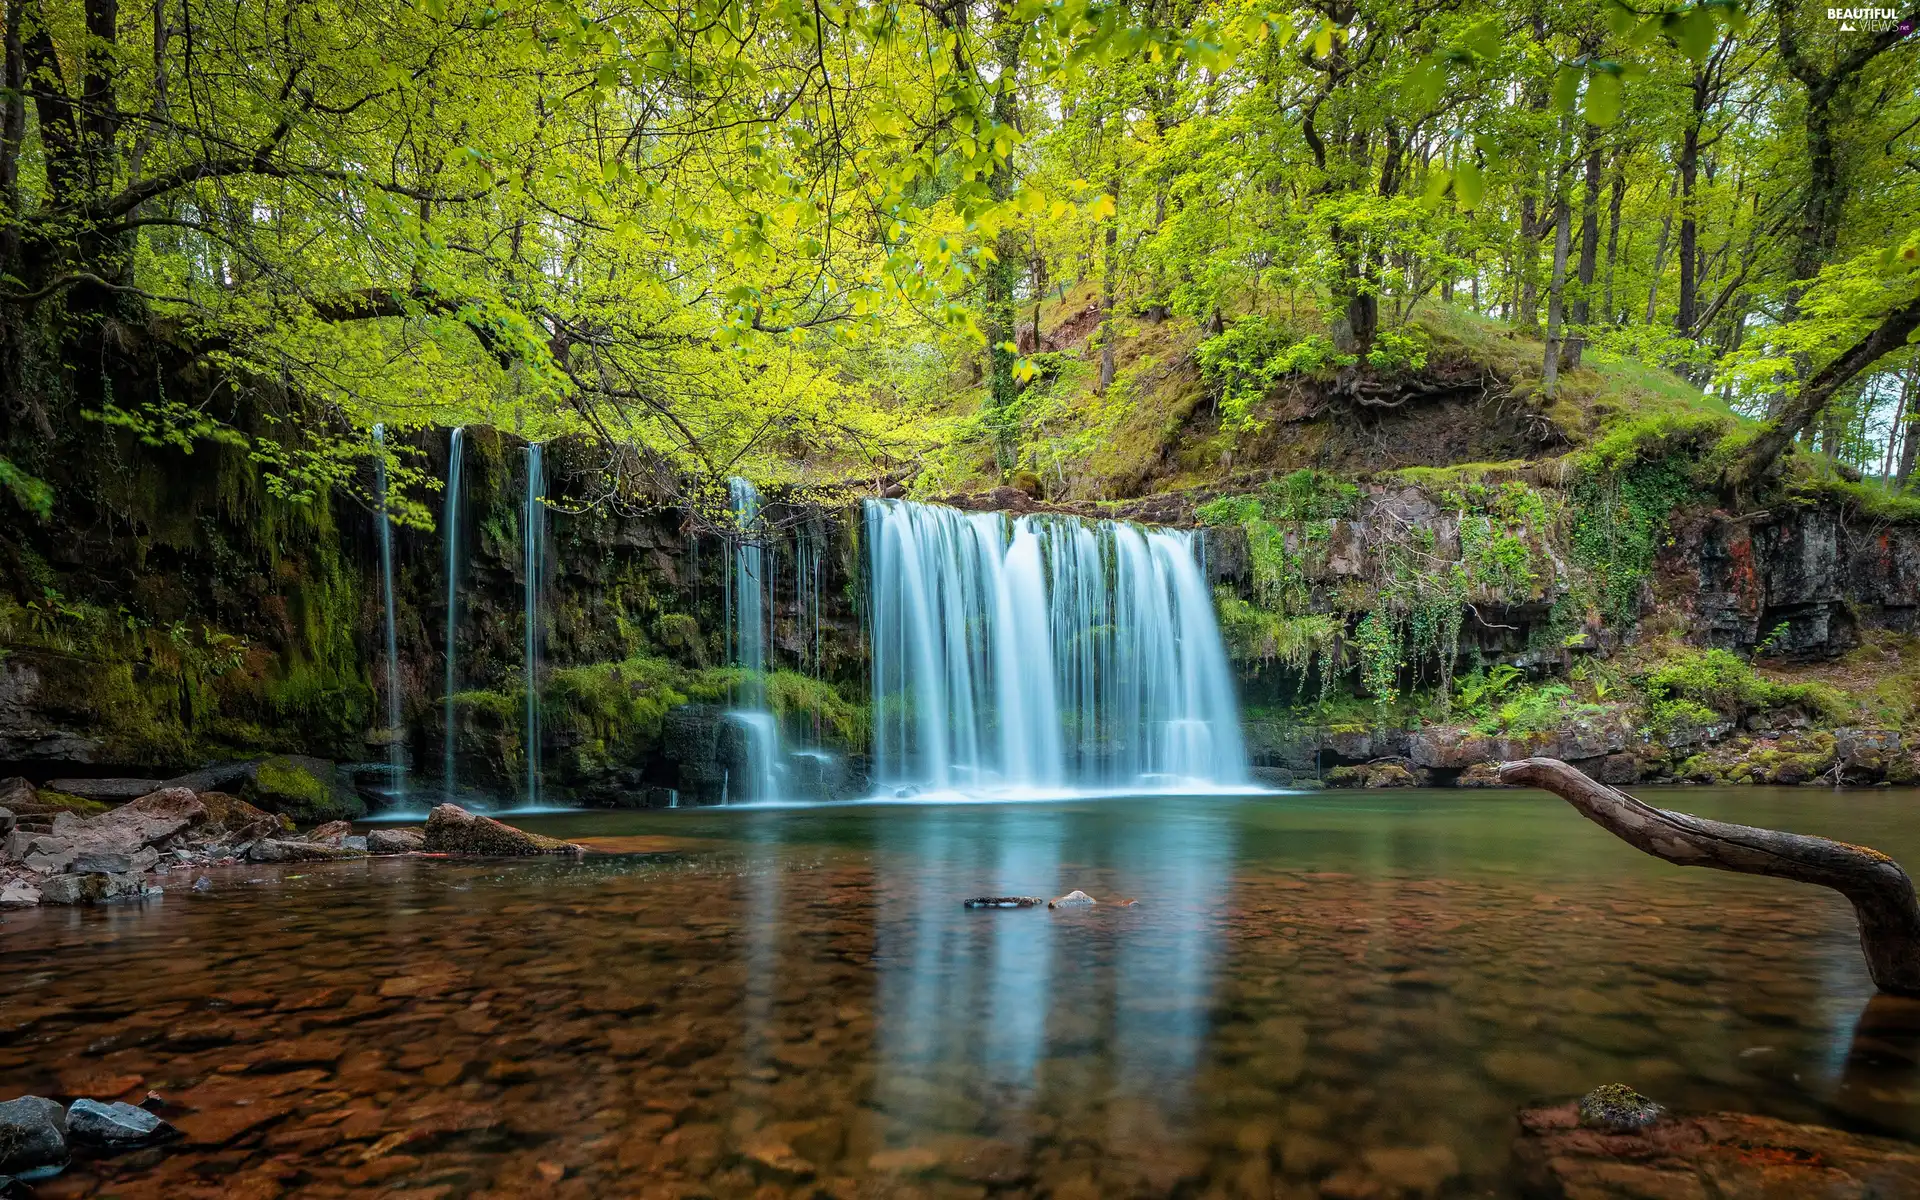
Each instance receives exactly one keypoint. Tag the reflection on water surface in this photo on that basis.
(1341, 992)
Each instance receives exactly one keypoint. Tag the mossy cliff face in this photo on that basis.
(1443, 622)
(171, 611)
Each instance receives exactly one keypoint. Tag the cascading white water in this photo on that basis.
(1040, 652)
(748, 588)
(533, 537)
(396, 749)
(450, 530)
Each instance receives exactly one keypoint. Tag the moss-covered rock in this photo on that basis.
(1375, 775)
(304, 789)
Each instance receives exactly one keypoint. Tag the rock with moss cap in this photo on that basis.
(453, 830)
(1617, 1108)
(304, 788)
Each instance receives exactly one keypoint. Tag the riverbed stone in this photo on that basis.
(1617, 1108)
(395, 841)
(453, 830)
(1073, 899)
(114, 1125)
(33, 1135)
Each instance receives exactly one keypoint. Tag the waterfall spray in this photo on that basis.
(450, 527)
(533, 534)
(396, 752)
(1015, 653)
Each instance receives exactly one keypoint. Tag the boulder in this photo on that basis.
(33, 1135)
(1480, 775)
(7, 822)
(234, 819)
(18, 793)
(277, 850)
(1388, 774)
(1073, 899)
(114, 1126)
(92, 889)
(453, 830)
(1720, 1154)
(303, 788)
(333, 833)
(18, 893)
(395, 841)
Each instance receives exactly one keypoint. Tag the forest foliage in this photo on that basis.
(812, 241)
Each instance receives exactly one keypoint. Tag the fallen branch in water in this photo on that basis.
(1881, 894)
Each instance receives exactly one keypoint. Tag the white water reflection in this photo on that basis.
(1023, 1003)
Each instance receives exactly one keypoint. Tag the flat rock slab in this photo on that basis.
(107, 790)
(1721, 1155)
(1002, 902)
(275, 850)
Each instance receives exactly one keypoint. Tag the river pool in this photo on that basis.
(1313, 991)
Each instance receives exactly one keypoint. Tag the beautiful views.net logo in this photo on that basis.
(1866, 20)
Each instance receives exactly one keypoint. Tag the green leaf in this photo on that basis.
(1468, 184)
(1603, 98)
(1566, 89)
(1691, 30)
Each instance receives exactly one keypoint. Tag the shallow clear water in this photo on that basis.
(1310, 987)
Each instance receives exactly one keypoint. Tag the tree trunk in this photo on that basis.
(1001, 315)
(1527, 263)
(1660, 251)
(1556, 295)
(1683, 319)
(1881, 894)
(1589, 254)
(1109, 288)
(1910, 431)
(1608, 314)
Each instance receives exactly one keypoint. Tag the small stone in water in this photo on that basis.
(1001, 902)
(113, 1124)
(1617, 1108)
(203, 884)
(1073, 899)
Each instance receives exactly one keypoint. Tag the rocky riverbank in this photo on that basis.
(51, 855)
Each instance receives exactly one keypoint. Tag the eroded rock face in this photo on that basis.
(453, 830)
(1721, 1154)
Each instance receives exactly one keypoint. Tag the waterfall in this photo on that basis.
(450, 528)
(1015, 653)
(748, 589)
(533, 536)
(396, 750)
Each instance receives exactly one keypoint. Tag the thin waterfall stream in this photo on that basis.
(1020, 654)
(749, 586)
(450, 531)
(396, 733)
(533, 536)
